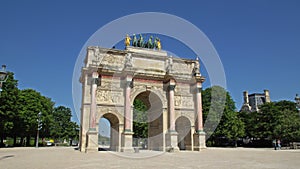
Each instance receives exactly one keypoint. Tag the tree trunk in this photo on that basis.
(15, 140)
(22, 141)
(27, 141)
(2, 141)
(35, 141)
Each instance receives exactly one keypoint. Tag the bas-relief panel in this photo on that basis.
(182, 89)
(184, 101)
(113, 60)
(148, 64)
(182, 68)
(110, 97)
(110, 84)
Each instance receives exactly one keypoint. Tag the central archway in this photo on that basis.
(148, 121)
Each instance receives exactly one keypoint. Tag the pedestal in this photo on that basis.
(199, 141)
(127, 142)
(92, 141)
(173, 144)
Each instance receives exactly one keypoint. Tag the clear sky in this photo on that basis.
(258, 41)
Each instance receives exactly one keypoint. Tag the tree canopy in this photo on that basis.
(275, 120)
(19, 111)
(220, 116)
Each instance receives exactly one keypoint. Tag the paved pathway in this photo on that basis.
(211, 158)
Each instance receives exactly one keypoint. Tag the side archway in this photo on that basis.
(114, 131)
(183, 128)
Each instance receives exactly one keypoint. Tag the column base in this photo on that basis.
(127, 142)
(92, 141)
(199, 141)
(173, 144)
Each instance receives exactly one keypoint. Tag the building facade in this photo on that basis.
(297, 100)
(253, 101)
(170, 87)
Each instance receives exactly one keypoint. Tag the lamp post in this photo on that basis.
(38, 129)
(3, 76)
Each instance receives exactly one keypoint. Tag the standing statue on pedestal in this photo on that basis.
(127, 40)
(169, 64)
(197, 67)
(134, 42)
(140, 41)
(128, 60)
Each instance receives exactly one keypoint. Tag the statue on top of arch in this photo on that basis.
(140, 42)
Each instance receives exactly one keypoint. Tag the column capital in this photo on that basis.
(171, 84)
(196, 88)
(171, 87)
(200, 132)
(129, 84)
(199, 78)
(95, 81)
(95, 74)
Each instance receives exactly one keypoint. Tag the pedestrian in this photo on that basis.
(278, 144)
(274, 144)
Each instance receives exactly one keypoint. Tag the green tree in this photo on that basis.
(250, 120)
(221, 119)
(19, 113)
(278, 120)
(30, 103)
(62, 126)
(140, 124)
(8, 107)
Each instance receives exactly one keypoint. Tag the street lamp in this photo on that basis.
(38, 129)
(3, 76)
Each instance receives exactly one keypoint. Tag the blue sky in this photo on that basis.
(258, 41)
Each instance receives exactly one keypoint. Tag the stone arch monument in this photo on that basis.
(111, 80)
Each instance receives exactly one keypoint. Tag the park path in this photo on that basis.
(212, 158)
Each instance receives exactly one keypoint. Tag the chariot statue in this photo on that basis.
(140, 41)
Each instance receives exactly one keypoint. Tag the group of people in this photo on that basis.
(277, 144)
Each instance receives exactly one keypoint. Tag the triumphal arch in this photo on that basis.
(170, 87)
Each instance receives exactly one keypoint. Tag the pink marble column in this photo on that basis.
(199, 108)
(93, 100)
(172, 105)
(127, 113)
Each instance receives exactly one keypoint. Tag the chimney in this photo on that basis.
(267, 96)
(246, 98)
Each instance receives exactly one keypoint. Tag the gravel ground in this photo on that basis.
(69, 158)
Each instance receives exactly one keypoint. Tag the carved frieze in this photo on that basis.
(96, 55)
(182, 89)
(113, 60)
(177, 100)
(107, 96)
(184, 101)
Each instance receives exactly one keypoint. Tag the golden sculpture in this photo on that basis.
(158, 45)
(127, 40)
(140, 42)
